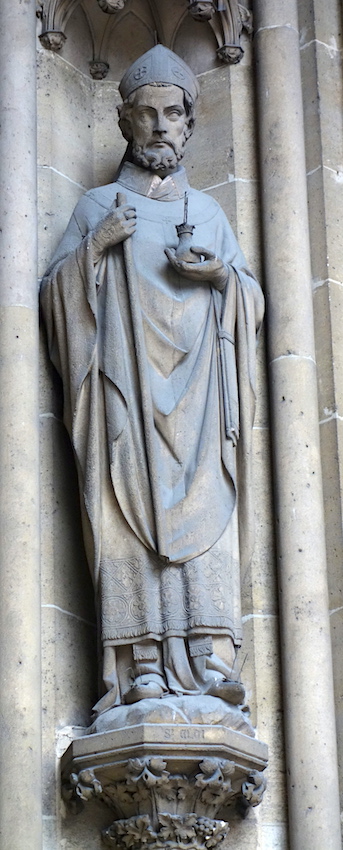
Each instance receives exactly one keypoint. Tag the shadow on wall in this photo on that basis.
(106, 44)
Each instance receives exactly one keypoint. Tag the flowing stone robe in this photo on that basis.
(183, 579)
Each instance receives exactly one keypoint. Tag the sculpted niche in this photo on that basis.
(151, 315)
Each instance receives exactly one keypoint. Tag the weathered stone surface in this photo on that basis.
(57, 197)
(299, 510)
(196, 711)
(107, 148)
(65, 144)
(163, 775)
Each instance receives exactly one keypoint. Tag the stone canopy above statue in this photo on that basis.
(217, 26)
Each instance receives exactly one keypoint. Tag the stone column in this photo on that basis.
(20, 740)
(305, 632)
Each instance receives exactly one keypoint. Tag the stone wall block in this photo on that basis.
(331, 437)
(20, 591)
(214, 123)
(317, 226)
(262, 399)
(328, 22)
(269, 720)
(333, 191)
(306, 21)
(325, 203)
(308, 57)
(66, 580)
(263, 569)
(335, 299)
(68, 692)
(108, 143)
(84, 829)
(240, 202)
(281, 134)
(277, 14)
(69, 689)
(322, 324)
(336, 620)
(249, 223)
(291, 378)
(225, 195)
(50, 388)
(65, 127)
(304, 602)
(329, 77)
(57, 198)
(242, 103)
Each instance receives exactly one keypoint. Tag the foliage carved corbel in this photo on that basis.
(228, 19)
(54, 15)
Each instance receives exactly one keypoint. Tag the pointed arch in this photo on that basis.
(118, 48)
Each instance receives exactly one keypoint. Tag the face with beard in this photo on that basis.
(159, 127)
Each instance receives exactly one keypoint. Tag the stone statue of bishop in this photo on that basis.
(156, 349)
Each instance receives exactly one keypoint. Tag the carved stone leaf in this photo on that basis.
(177, 827)
(208, 766)
(136, 765)
(254, 788)
(132, 831)
(85, 785)
(124, 796)
(228, 768)
(214, 796)
(157, 764)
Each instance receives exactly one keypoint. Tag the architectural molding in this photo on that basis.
(172, 797)
(227, 19)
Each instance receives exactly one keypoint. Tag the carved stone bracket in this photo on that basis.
(186, 832)
(227, 18)
(54, 16)
(52, 40)
(111, 6)
(98, 69)
(173, 786)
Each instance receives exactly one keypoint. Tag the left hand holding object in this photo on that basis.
(210, 270)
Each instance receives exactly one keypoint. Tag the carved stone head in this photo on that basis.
(157, 120)
(157, 115)
(111, 6)
(202, 10)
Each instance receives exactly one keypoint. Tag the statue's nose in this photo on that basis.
(160, 124)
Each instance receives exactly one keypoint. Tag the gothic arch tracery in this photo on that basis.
(162, 20)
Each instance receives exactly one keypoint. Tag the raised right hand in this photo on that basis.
(119, 223)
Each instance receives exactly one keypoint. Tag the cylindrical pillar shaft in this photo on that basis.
(305, 632)
(20, 704)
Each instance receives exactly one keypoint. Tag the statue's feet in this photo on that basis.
(146, 690)
(232, 692)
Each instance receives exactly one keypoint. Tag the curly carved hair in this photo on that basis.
(125, 108)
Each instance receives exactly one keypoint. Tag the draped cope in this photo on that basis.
(198, 359)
